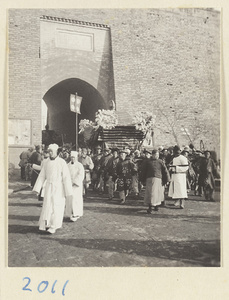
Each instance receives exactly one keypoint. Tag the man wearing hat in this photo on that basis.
(160, 149)
(58, 188)
(125, 169)
(207, 172)
(147, 154)
(111, 171)
(196, 158)
(178, 184)
(155, 175)
(35, 158)
(137, 160)
(96, 160)
(24, 159)
(74, 208)
(104, 177)
(88, 165)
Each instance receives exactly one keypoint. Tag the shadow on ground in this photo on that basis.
(23, 218)
(24, 204)
(142, 212)
(199, 253)
(22, 229)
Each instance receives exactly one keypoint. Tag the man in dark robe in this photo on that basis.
(207, 172)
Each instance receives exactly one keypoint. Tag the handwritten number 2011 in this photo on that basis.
(43, 285)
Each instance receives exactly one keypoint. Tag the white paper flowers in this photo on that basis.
(107, 119)
(144, 121)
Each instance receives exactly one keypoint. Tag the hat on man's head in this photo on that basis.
(53, 147)
(115, 149)
(128, 151)
(154, 151)
(186, 149)
(123, 151)
(176, 149)
(98, 147)
(207, 151)
(137, 151)
(74, 153)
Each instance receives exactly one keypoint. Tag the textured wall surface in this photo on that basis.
(164, 60)
(87, 55)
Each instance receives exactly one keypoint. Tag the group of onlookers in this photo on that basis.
(61, 177)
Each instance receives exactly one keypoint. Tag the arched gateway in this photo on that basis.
(59, 116)
(76, 57)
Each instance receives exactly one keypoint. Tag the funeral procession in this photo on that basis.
(114, 155)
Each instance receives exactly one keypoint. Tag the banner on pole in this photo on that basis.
(75, 102)
(78, 103)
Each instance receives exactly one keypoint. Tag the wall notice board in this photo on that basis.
(19, 132)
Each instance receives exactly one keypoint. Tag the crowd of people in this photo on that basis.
(61, 177)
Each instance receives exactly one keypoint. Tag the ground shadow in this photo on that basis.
(122, 210)
(23, 195)
(24, 218)
(22, 229)
(197, 253)
(25, 204)
(131, 201)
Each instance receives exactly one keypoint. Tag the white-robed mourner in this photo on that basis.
(58, 187)
(178, 186)
(74, 207)
(38, 168)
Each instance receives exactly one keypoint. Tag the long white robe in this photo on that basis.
(38, 168)
(178, 186)
(58, 187)
(77, 173)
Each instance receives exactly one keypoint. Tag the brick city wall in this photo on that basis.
(164, 60)
(60, 61)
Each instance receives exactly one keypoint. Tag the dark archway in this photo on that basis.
(60, 118)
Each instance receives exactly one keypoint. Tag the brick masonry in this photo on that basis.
(164, 60)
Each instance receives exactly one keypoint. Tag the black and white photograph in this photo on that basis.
(114, 156)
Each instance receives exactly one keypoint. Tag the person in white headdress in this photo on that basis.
(74, 208)
(58, 188)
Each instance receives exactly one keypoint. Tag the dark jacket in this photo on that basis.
(207, 172)
(155, 168)
(111, 167)
(125, 169)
